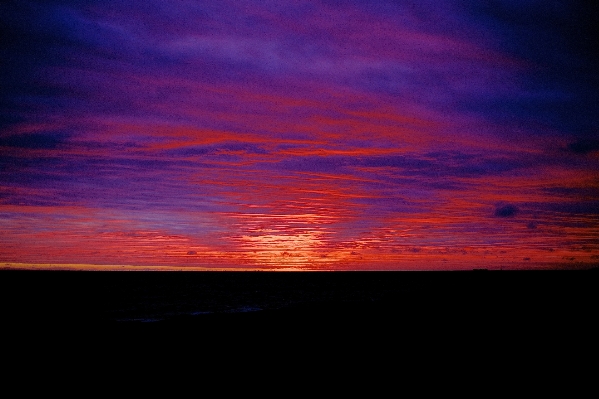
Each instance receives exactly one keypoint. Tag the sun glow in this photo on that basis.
(288, 240)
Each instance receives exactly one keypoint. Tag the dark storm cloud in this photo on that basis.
(438, 169)
(491, 165)
(215, 150)
(318, 164)
(397, 161)
(584, 146)
(574, 192)
(46, 141)
(590, 207)
(506, 211)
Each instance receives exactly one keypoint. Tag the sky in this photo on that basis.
(299, 135)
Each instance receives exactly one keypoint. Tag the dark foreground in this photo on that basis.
(466, 323)
(494, 329)
(208, 300)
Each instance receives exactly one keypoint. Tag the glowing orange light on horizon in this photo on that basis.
(291, 240)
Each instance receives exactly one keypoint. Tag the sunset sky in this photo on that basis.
(299, 135)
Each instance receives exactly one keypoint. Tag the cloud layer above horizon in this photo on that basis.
(300, 135)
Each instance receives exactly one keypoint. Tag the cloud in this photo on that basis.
(554, 40)
(46, 141)
(584, 146)
(506, 211)
(370, 124)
